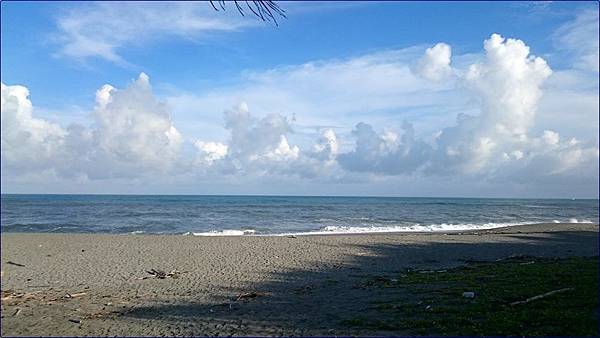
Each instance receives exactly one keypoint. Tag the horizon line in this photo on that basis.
(315, 196)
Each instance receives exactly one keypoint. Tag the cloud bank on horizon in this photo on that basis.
(496, 139)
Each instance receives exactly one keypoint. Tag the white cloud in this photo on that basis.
(210, 151)
(252, 138)
(580, 38)
(551, 137)
(379, 87)
(132, 134)
(133, 126)
(508, 85)
(386, 153)
(435, 64)
(102, 29)
(262, 147)
(306, 124)
(257, 145)
(27, 142)
(327, 146)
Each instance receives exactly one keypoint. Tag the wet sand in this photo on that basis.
(79, 284)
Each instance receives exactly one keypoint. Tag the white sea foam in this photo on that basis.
(574, 220)
(137, 232)
(404, 228)
(443, 227)
(225, 233)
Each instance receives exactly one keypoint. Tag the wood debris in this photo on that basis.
(75, 295)
(102, 314)
(303, 290)
(379, 281)
(250, 295)
(162, 274)
(11, 297)
(514, 257)
(13, 263)
(431, 271)
(531, 299)
(527, 263)
(9, 294)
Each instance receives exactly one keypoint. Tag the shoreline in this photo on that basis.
(518, 226)
(98, 284)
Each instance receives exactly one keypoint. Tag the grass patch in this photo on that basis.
(436, 304)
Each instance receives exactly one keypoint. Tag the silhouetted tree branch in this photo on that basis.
(266, 10)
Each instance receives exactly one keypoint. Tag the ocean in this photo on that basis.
(277, 215)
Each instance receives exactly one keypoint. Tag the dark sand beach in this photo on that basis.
(79, 284)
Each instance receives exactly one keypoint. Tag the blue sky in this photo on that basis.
(325, 31)
(201, 63)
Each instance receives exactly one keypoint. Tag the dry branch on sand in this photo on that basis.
(531, 299)
(160, 274)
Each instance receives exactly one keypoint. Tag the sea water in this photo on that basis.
(278, 215)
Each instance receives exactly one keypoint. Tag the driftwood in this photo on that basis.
(9, 294)
(531, 299)
(13, 263)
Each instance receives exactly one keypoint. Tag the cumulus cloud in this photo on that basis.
(435, 64)
(508, 84)
(255, 141)
(132, 133)
(327, 146)
(508, 87)
(27, 142)
(495, 136)
(101, 29)
(379, 88)
(209, 152)
(133, 126)
(261, 146)
(386, 153)
(258, 145)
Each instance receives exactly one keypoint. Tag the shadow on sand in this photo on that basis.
(318, 301)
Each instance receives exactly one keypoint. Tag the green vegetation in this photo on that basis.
(433, 302)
